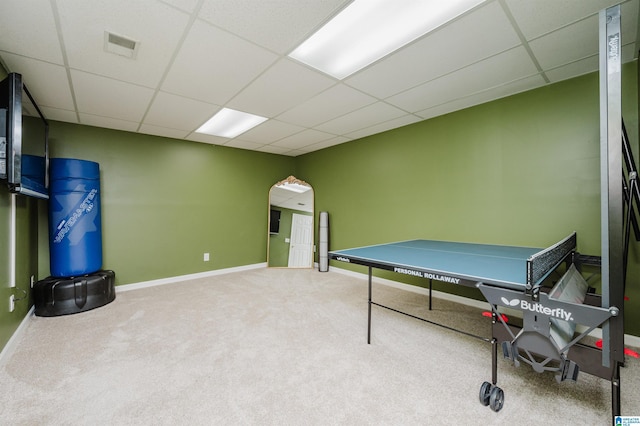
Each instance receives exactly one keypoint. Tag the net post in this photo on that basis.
(541, 264)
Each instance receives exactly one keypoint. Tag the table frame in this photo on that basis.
(535, 327)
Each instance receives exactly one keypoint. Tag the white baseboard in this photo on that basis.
(8, 349)
(629, 340)
(179, 278)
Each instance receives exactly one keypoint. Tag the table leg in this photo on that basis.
(494, 347)
(369, 319)
(615, 391)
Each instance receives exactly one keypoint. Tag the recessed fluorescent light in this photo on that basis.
(368, 30)
(229, 123)
(294, 187)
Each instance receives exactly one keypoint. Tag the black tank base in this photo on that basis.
(62, 296)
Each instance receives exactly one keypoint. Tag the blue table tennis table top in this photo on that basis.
(447, 261)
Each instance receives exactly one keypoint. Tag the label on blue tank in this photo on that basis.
(82, 208)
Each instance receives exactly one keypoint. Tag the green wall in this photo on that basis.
(167, 202)
(523, 170)
(26, 262)
(26, 259)
(164, 203)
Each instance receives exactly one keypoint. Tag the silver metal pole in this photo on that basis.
(611, 185)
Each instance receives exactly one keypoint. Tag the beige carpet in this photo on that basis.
(279, 347)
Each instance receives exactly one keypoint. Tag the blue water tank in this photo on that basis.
(75, 225)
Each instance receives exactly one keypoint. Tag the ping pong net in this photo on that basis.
(541, 264)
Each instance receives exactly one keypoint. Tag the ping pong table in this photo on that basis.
(507, 276)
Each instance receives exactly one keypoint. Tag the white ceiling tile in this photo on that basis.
(277, 195)
(243, 144)
(188, 6)
(163, 131)
(214, 65)
(84, 24)
(277, 25)
(177, 112)
(291, 200)
(511, 88)
(568, 44)
(63, 115)
(47, 83)
(98, 95)
(324, 144)
(383, 127)
(304, 138)
(505, 67)
(270, 131)
(573, 69)
(281, 87)
(274, 149)
(333, 102)
(28, 28)
(200, 55)
(364, 117)
(480, 34)
(108, 123)
(539, 17)
(201, 137)
(579, 41)
(522, 85)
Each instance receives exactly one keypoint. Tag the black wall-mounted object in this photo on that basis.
(24, 140)
(274, 221)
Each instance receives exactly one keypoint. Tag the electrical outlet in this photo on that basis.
(206, 257)
(12, 303)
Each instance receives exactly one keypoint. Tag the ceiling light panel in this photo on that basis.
(229, 123)
(476, 36)
(368, 30)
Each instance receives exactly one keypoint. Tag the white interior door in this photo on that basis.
(301, 244)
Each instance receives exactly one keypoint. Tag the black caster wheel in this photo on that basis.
(496, 399)
(485, 393)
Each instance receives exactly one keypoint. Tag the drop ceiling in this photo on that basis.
(194, 57)
(291, 200)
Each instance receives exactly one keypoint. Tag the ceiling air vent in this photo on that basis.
(120, 45)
